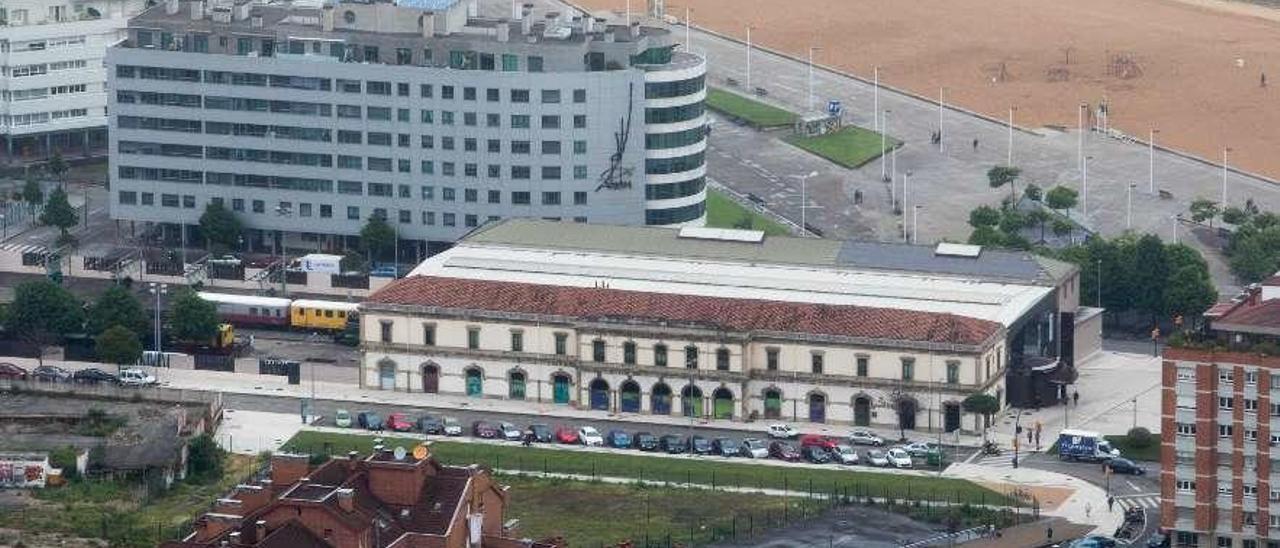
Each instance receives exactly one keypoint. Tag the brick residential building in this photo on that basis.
(376, 502)
(1221, 420)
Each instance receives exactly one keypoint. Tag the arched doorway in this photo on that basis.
(430, 378)
(950, 416)
(907, 408)
(722, 403)
(516, 385)
(560, 388)
(475, 382)
(386, 374)
(691, 401)
(862, 411)
(629, 397)
(817, 407)
(772, 403)
(599, 396)
(660, 399)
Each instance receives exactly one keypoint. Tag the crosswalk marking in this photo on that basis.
(24, 248)
(1003, 460)
(1138, 501)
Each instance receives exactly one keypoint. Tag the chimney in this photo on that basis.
(234, 538)
(287, 469)
(504, 31)
(197, 10)
(346, 499)
(241, 11)
(526, 20)
(428, 25)
(171, 7)
(260, 530)
(326, 18)
(634, 30)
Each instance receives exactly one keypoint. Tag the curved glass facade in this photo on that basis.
(676, 99)
(668, 191)
(675, 215)
(657, 141)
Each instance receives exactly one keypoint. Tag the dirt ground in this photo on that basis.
(1190, 68)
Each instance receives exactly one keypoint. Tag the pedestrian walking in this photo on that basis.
(1037, 439)
(1075, 397)
(1049, 533)
(1262, 81)
(1088, 509)
(975, 144)
(1111, 504)
(1029, 434)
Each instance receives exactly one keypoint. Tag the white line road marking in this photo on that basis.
(1134, 487)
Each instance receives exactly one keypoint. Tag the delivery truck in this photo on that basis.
(1084, 445)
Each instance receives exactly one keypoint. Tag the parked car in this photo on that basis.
(541, 433)
(430, 424)
(815, 440)
(11, 371)
(566, 434)
(725, 447)
(844, 454)
(590, 437)
(782, 450)
(815, 454)
(136, 377)
(452, 427)
(369, 420)
(645, 441)
(863, 437)
(342, 418)
(92, 376)
(618, 439)
(1125, 466)
(922, 449)
(699, 445)
(483, 429)
(876, 457)
(899, 458)
(753, 448)
(1159, 539)
(673, 444)
(510, 432)
(51, 373)
(782, 431)
(399, 422)
(1092, 541)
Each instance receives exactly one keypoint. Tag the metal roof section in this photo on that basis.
(721, 234)
(432, 5)
(958, 250)
(982, 263)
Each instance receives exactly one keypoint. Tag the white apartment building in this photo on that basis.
(307, 119)
(52, 80)
(721, 323)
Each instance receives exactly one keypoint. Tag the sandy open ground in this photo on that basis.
(1190, 68)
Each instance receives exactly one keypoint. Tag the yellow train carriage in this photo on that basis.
(320, 315)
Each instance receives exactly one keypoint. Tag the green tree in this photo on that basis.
(986, 236)
(1060, 197)
(1189, 292)
(204, 458)
(999, 176)
(1040, 217)
(1255, 254)
(1234, 215)
(32, 194)
(1140, 437)
(1150, 272)
(57, 166)
(352, 262)
(191, 318)
(1033, 193)
(377, 238)
(984, 405)
(117, 306)
(1012, 221)
(1062, 227)
(1204, 210)
(984, 216)
(42, 312)
(220, 227)
(58, 211)
(118, 345)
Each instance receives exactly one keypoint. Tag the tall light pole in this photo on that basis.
(1009, 158)
(688, 25)
(284, 263)
(748, 57)
(1151, 160)
(875, 98)
(906, 181)
(915, 217)
(811, 98)
(1225, 150)
(158, 289)
(940, 108)
(1084, 186)
(804, 201)
(1080, 136)
(1128, 207)
(1099, 283)
(883, 167)
(1177, 219)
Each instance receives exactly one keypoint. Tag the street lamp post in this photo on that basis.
(875, 104)
(1009, 158)
(1099, 283)
(688, 25)
(284, 263)
(906, 181)
(158, 289)
(1080, 136)
(748, 58)
(940, 109)
(804, 201)
(1176, 221)
(883, 130)
(1128, 207)
(811, 99)
(915, 216)
(1084, 186)
(1225, 150)
(1151, 160)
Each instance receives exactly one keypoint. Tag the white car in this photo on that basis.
(783, 431)
(844, 454)
(899, 458)
(136, 377)
(863, 437)
(452, 427)
(753, 448)
(876, 457)
(510, 432)
(921, 448)
(590, 437)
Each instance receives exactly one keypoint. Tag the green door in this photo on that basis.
(772, 405)
(475, 385)
(560, 389)
(723, 407)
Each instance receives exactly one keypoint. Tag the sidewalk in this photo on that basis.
(1070, 498)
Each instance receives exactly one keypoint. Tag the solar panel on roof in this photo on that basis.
(722, 234)
(958, 250)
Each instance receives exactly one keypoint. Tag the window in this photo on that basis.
(1225, 430)
(1185, 486)
(862, 364)
(1224, 489)
(495, 196)
(353, 213)
(510, 63)
(550, 121)
(1226, 376)
(660, 355)
(473, 338)
(550, 198)
(1186, 429)
(520, 197)
(449, 219)
(691, 357)
(580, 122)
(579, 147)
(517, 341)
(519, 121)
(1251, 377)
(722, 359)
(816, 363)
(629, 353)
(386, 331)
(550, 96)
(953, 372)
(562, 344)
(579, 95)
(429, 334)
(551, 173)
(771, 359)
(1226, 402)
(1186, 375)
(519, 96)
(1250, 491)
(534, 63)
(1250, 405)
(551, 147)
(1251, 434)
(597, 350)
(908, 369)
(580, 198)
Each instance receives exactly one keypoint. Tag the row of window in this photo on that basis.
(38, 69)
(675, 215)
(678, 88)
(691, 136)
(37, 118)
(49, 44)
(34, 94)
(1228, 403)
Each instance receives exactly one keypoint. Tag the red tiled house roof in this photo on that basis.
(732, 314)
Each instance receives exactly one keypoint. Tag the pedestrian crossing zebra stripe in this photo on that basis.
(1138, 501)
(24, 248)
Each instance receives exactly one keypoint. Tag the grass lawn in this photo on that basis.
(724, 212)
(120, 511)
(751, 111)
(850, 146)
(703, 471)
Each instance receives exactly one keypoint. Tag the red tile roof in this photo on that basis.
(1263, 315)
(718, 312)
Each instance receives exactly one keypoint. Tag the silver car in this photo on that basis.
(876, 457)
(844, 454)
(864, 437)
(753, 448)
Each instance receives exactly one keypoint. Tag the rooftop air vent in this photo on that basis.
(945, 249)
(722, 234)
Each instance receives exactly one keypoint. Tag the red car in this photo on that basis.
(482, 429)
(10, 371)
(565, 434)
(815, 440)
(782, 450)
(399, 422)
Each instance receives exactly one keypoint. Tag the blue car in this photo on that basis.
(618, 439)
